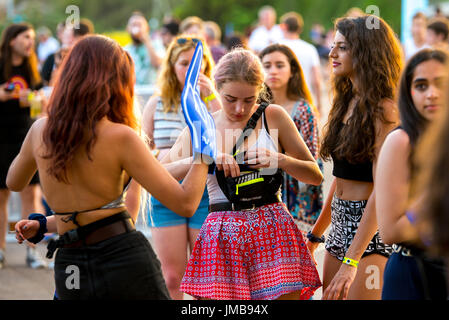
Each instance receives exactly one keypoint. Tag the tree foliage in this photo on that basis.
(109, 15)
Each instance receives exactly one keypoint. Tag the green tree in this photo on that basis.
(109, 15)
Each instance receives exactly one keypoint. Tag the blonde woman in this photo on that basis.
(250, 248)
(163, 122)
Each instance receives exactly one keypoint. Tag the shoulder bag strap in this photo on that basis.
(252, 122)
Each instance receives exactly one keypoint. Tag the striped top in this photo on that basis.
(167, 126)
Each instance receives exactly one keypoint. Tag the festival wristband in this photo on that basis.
(350, 262)
(210, 98)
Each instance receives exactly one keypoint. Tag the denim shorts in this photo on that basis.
(123, 267)
(160, 216)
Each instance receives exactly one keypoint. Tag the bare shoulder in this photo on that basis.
(152, 102)
(397, 142)
(277, 117)
(39, 124)
(276, 113)
(275, 109)
(118, 133)
(150, 106)
(38, 127)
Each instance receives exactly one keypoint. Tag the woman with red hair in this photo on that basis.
(87, 151)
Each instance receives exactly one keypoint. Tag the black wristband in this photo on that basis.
(315, 239)
(42, 227)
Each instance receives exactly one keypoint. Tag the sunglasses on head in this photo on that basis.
(185, 40)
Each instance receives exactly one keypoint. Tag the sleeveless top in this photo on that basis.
(358, 172)
(167, 126)
(264, 140)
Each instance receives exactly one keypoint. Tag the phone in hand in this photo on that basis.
(10, 87)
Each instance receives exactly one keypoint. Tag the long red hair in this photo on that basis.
(96, 80)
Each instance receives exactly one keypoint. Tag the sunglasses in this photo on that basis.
(185, 40)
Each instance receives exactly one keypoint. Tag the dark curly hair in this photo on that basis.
(377, 61)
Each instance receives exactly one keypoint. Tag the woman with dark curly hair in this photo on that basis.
(366, 62)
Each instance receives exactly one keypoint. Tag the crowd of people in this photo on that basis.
(232, 229)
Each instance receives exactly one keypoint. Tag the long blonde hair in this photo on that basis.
(169, 86)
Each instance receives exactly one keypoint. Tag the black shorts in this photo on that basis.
(123, 267)
(8, 153)
(346, 216)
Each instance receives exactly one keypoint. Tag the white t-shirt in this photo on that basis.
(261, 37)
(410, 48)
(44, 49)
(307, 56)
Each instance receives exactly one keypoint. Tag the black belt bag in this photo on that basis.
(253, 185)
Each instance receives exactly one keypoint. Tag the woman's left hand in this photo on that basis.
(340, 284)
(206, 86)
(263, 158)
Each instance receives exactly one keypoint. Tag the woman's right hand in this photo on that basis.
(5, 95)
(26, 229)
(227, 163)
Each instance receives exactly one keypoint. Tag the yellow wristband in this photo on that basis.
(210, 98)
(350, 262)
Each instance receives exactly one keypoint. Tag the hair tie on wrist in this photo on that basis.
(315, 239)
(42, 227)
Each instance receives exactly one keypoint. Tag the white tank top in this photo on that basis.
(264, 140)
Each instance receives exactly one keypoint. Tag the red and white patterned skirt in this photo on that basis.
(258, 255)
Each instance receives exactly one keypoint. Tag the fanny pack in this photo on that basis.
(253, 185)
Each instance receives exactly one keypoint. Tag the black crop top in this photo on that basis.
(359, 172)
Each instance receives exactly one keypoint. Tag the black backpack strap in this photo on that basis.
(252, 122)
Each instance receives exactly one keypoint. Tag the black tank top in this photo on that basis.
(359, 171)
